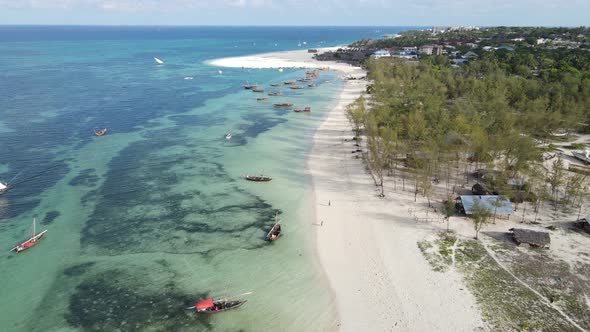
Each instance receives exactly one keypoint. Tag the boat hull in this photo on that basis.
(30, 242)
(229, 305)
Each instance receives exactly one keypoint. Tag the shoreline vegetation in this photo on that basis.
(501, 112)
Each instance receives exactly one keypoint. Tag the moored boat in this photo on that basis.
(312, 85)
(211, 306)
(250, 86)
(283, 105)
(261, 90)
(275, 232)
(262, 98)
(289, 82)
(258, 178)
(276, 84)
(30, 242)
(306, 110)
(101, 132)
(296, 87)
(275, 94)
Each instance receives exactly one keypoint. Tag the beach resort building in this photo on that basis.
(381, 54)
(431, 49)
(493, 203)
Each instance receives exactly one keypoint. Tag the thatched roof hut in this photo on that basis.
(532, 238)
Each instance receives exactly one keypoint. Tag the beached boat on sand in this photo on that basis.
(583, 156)
(101, 132)
(283, 105)
(211, 306)
(30, 242)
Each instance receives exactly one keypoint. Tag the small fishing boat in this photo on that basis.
(261, 90)
(306, 110)
(283, 105)
(30, 242)
(262, 98)
(158, 61)
(582, 155)
(275, 231)
(276, 84)
(101, 132)
(296, 87)
(250, 87)
(289, 82)
(3, 187)
(312, 85)
(275, 94)
(228, 136)
(211, 306)
(258, 178)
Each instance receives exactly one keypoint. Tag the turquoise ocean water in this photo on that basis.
(156, 215)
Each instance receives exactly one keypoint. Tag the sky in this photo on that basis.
(297, 12)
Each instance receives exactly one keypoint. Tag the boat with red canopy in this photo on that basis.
(30, 242)
(211, 306)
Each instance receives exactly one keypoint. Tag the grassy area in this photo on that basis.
(506, 304)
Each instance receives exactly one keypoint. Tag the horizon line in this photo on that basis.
(286, 25)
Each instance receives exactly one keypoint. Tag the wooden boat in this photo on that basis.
(211, 306)
(296, 87)
(261, 98)
(306, 110)
(583, 156)
(275, 94)
(261, 90)
(101, 132)
(283, 105)
(275, 232)
(276, 84)
(313, 85)
(250, 86)
(30, 242)
(289, 82)
(258, 178)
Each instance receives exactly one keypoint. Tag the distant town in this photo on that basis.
(462, 43)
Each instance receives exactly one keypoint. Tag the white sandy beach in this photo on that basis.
(367, 246)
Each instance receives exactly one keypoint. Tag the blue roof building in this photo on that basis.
(492, 203)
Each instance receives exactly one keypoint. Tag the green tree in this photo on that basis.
(480, 216)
